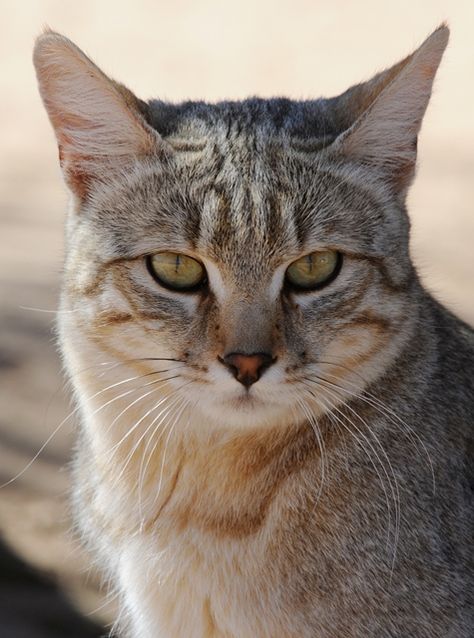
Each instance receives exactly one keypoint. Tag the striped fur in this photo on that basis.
(303, 507)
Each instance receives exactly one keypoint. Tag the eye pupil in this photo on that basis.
(313, 271)
(176, 271)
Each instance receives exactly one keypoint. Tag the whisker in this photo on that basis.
(331, 407)
(30, 463)
(130, 431)
(383, 409)
(128, 407)
(47, 311)
(360, 442)
(127, 392)
(114, 364)
(393, 486)
(144, 467)
(136, 425)
(307, 413)
(137, 444)
(164, 454)
(73, 413)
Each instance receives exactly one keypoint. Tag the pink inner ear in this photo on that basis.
(385, 135)
(98, 123)
(356, 100)
(78, 180)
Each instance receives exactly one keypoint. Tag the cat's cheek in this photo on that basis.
(360, 354)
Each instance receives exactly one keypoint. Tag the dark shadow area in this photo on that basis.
(31, 606)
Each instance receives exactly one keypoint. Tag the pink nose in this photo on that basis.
(247, 368)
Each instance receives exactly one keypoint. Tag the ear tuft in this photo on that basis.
(98, 123)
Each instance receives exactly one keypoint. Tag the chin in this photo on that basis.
(246, 409)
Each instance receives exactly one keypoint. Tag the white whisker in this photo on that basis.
(315, 427)
(393, 486)
(76, 411)
(144, 467)
(377, 404)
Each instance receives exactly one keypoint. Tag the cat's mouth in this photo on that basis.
(224, 400)
(245, 399)
(252, 400)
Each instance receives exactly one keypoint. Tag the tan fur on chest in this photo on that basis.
(218, 523)
(227, 488)
(216, 513)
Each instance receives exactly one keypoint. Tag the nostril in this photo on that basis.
(225, 362)
(247, 368)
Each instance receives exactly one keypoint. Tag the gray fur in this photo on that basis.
(250, 186)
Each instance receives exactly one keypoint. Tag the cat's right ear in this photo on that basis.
(100, 125)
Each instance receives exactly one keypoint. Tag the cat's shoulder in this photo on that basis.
(453, 379)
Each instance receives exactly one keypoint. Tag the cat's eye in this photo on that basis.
(177, 271)
(314, 271)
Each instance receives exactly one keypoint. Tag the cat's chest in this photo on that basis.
(223, 549)
(207, 564)
(182, 578)
(240, 580)
(222, 571)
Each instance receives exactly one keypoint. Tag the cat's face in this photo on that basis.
(244, 198)
(246, 219)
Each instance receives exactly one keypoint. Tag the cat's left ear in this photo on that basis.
(100, 125)
(386, 133)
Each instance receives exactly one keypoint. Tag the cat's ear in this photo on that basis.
(389, 111)
(100, 125)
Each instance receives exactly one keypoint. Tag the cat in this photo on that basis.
(274, 413)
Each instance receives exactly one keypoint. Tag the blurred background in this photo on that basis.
(206, 49)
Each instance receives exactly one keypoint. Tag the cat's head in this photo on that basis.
(258, 250)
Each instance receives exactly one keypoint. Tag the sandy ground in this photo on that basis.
(177, 50)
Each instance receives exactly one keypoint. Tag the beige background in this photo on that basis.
(175, 50)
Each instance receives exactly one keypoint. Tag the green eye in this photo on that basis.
(176, 271)
(314, 270)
